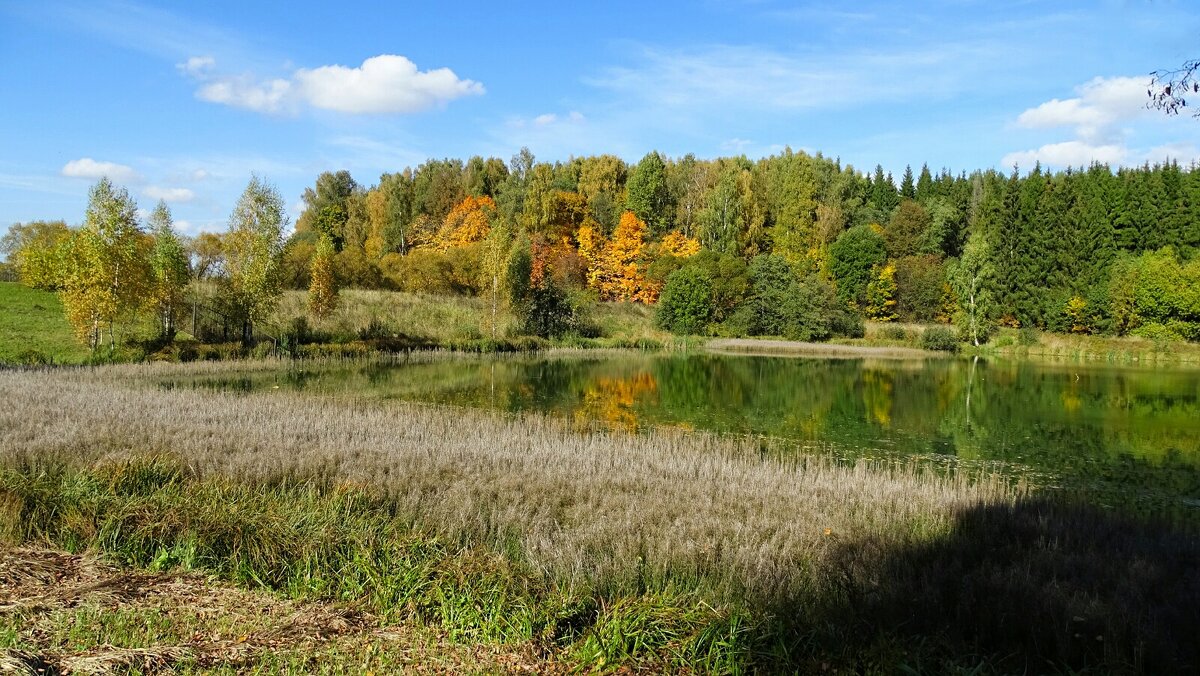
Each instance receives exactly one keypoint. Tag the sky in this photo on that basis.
(183, 101)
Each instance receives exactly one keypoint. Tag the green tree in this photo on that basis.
(852, 256)
(647, 194)
(253, 249)
(685, 305)
(971, 277)
(169, 274)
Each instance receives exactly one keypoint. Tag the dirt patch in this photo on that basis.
(68, 614)
(784, 348)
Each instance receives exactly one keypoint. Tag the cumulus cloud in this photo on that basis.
(1068, 154)
(1105, 119)
(387, 83)
(169, 194)
(86, 167)
(1102, 104)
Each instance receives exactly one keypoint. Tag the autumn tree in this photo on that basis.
(35, 249)
(253, 248)
(322, 289)
(169, 274)
(105, 273)
(467, 223)
(497, 248)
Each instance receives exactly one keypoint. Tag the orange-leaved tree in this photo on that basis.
(468, 222)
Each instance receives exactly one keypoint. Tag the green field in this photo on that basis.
(33, 328)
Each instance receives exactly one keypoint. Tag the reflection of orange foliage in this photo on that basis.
(467, 223)
(611, 400)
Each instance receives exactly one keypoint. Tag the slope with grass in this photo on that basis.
(33, 328)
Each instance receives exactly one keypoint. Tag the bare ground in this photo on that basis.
(67, 614)
(798, 348)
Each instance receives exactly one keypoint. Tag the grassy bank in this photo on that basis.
(663, 549)
(33, 328)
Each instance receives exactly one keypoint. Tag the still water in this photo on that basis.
(1126, 435)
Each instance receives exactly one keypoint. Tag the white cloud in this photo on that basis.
(200, 175)
(1183, 153)
(1102, 104)
(1068, 154)
(86, 167)
(169, 194)
(197, 66)
(244, 92)
(387, 83)
(547, 118)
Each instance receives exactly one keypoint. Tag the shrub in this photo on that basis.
(1027, 336)
(894, 333)
(939, 338)
(685, 305)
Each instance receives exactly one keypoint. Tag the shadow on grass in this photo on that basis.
(1039, 586)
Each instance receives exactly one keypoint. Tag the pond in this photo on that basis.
(1121, 435)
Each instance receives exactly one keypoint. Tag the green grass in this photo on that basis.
(33, 328)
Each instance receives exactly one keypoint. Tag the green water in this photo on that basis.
(1125, 435)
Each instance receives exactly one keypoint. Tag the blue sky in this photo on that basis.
(182, 101)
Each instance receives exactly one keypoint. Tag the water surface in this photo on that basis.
(1131, 435)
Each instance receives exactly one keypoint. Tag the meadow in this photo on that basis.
(659, 550)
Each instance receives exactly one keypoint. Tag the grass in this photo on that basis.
(461, 322)
(33, 328)
(665, 549)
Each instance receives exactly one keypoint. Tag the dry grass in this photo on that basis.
(79, 614)
(601, 510)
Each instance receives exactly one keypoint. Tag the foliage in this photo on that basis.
(920, 288)
(253, 248)
(939, 338)
(970, 277)
(1157, 289)
(105, 274)
(781, 304)
(852, 257)
(880, 300)
(35, 250)
(685, 306)
(169, 273)
(322, 291)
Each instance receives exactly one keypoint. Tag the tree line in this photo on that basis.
(792, 244)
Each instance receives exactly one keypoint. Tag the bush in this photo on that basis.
(894, 333)
(1027, 336)
(939, 338)
(685, 305)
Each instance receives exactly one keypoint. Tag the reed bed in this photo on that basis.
(764, 562)
(599, 510)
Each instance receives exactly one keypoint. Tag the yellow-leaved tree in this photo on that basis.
(105, 274)
(322, 289)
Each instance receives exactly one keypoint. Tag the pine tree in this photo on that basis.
(907, 189)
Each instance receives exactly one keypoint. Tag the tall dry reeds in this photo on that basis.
(600, 510)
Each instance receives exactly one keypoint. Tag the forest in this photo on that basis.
(793, 245)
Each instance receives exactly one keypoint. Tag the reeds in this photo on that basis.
(633, 533)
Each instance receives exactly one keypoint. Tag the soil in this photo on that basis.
(234, 628)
